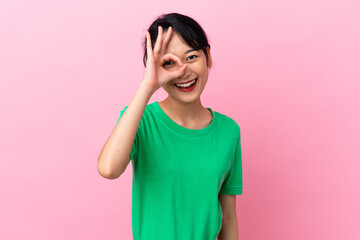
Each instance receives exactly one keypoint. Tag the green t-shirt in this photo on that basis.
(178, 173)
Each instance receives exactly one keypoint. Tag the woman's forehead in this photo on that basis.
(176, 44)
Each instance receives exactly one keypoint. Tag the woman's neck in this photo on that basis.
(185, 114)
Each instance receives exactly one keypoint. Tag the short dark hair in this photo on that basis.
(189, 30)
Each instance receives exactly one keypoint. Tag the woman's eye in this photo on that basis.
(167, 63)
(192, 57)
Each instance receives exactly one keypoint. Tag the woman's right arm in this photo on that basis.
(115, 154)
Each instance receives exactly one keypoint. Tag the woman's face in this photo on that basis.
(197, 69)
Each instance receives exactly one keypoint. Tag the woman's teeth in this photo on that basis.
(187, 84)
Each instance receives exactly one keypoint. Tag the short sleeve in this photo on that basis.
(233, 183)
(135, 144)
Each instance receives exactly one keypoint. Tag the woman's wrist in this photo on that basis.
(147, 88)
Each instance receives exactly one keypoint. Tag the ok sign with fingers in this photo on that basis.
(156, 75)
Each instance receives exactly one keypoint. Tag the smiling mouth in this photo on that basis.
(186, 84)
(189, 87)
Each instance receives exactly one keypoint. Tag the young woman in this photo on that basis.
(187, 165)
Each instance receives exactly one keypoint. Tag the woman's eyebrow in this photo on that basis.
(190, 50)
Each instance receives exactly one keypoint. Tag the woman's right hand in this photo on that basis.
(156, 75)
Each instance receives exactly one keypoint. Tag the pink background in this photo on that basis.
(287, 71)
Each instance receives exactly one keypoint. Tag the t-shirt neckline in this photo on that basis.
(182, 130)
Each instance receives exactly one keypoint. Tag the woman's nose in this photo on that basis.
(187, 73)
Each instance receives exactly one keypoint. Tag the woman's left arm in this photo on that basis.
(229, 228)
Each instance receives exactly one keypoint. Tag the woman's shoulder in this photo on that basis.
(227, 121)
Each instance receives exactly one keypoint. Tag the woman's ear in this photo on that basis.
(209, 60)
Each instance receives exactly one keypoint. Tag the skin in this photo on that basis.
(229, 228)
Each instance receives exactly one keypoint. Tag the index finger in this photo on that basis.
(171, 56)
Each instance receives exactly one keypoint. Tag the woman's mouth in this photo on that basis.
(187, 87)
